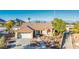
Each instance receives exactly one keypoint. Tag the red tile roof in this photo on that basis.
(24, 29)
(29, 27)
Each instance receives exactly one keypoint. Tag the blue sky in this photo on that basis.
(45, 15)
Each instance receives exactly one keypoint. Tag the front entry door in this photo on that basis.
(37, 33)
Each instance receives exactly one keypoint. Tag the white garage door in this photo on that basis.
(26, 35)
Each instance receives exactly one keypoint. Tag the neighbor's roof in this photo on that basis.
(38, 26)
(28, 27)
(1, 20)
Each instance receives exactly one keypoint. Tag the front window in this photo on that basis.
(37, 32)
(19, 36)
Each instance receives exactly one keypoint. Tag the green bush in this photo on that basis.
(2, 42)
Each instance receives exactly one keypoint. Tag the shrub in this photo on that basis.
(2, 42)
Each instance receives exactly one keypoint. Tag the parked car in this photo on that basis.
(39, 45)
(31, 46)
(11, 44)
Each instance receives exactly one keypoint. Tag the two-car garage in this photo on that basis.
(27, 35)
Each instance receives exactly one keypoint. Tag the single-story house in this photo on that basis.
(69, 27)
(31, 30)
(2, 28)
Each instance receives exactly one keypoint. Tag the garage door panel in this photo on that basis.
(26, 35)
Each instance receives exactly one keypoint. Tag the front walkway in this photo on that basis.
(68, 44)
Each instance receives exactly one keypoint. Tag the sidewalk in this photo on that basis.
(68, 44)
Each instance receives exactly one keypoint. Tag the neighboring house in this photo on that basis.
(15, 27)
(2, 28)
(69, 27)
(31, 30)
(19, 22)
(2, 22)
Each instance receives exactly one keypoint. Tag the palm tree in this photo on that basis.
(9, 24)
(29, 19)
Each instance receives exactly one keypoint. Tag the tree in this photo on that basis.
(76, 27)
(39, 21)
(9, 24)
(29, 19)
(59, 25)
(2, 42)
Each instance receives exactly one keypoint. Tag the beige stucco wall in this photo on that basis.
(24, 35)
(27, 35)
(44, 32)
